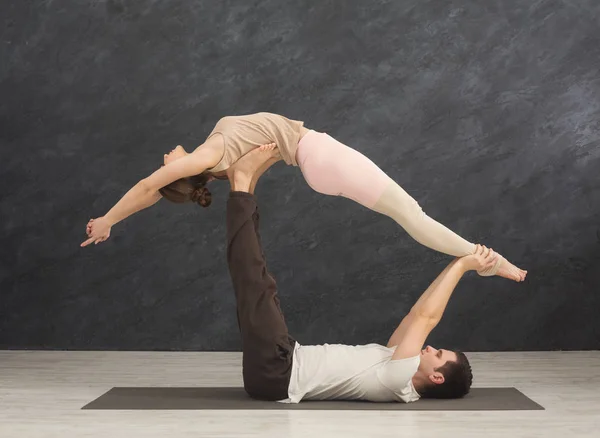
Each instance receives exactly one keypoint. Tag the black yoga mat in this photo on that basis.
(214, 398)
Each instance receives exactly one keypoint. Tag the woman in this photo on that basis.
(328, 166)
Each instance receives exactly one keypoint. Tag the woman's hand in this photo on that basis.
(483, 258)
(98, 230)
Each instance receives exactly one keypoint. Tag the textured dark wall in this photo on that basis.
(486, 112)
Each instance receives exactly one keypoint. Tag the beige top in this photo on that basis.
(241, 134)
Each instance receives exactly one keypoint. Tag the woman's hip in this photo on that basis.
(332, 168)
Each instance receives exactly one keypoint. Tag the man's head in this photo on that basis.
(443, 374)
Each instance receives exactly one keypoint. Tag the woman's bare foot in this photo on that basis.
(245, 172)
(506, 269)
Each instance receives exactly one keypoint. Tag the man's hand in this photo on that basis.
(267, 147)
(483, 258)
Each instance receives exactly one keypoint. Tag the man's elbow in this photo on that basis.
(427, 315)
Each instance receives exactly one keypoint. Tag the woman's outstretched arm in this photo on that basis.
(145, 192)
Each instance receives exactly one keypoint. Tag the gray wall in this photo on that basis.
(486, 112)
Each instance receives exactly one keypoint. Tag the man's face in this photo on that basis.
(432, 359)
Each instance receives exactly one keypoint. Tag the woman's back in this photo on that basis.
(243, 133)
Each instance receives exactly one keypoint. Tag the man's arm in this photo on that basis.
(429, 309)
(400, 331)
(427, 313)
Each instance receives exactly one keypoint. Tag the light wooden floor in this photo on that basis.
(41, 394)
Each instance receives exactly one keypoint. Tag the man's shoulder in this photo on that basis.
(400, 371)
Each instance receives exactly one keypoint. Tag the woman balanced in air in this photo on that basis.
(328, 166)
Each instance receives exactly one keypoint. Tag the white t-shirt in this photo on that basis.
(351, 372)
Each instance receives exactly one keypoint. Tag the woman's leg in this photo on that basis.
(332, 168)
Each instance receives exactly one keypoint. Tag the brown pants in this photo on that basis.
(266, 345)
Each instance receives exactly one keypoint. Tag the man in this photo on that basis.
(277, 368)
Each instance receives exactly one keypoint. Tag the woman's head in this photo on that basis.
(175, 154)
(189, 189)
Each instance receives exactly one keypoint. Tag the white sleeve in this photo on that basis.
(396, 375)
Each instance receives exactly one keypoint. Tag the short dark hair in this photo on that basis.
(458, 378)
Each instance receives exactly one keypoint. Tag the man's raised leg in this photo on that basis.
(266, 344)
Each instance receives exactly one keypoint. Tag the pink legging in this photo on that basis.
(332, 168)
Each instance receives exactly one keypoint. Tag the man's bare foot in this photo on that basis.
(506, 269)
(245, 172)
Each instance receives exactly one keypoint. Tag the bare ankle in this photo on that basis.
(240, 182)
